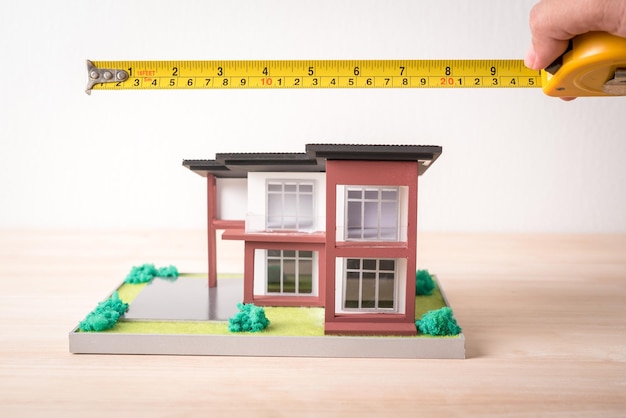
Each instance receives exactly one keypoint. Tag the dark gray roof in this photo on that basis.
(238, 165)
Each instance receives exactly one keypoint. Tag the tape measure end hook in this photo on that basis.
(97, 75)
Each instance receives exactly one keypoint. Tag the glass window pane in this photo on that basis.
(388, 215)
(274, 222)
(290, 205)
(371, 194)
(306, 188)
(389, 195)
(290, 222)
(273, 276)
(370, 215)
(369, 264)
(352, 290)
(386, 291)
(354, 214)
(304, 223)
(388, 234)
(354, 220)
(305, 276)
(274, 187)
(305, 206)
(353, 263)
(370, 234)
(387, 265)
(273, 253)
(291, 188)
(368, 293)
(289, 276)
(355, 194)
(305, 254)
(274, 205)
(289, 253)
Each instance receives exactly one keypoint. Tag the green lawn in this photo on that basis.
(284, 321)
(424, 304)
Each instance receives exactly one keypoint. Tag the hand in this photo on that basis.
(554, 22)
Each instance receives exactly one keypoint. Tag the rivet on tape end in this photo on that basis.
(103, 75)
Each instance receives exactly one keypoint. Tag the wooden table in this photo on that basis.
(544, 317)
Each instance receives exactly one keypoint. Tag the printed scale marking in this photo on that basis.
(251, 74)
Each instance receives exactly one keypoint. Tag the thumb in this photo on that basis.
(544, 52)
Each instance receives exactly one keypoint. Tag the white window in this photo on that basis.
(290, 271)
(370, 284)
(372, 213)
(290, 205)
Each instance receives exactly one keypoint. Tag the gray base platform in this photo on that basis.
(263, 346)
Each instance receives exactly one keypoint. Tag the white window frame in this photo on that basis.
(377, 271)
(297, 258)
(379, 201)
(304, 217)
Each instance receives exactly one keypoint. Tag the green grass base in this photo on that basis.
(425, 303)
(284, 321)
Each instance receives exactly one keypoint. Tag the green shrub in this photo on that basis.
(141, 274)
(169, 271)
(146, 272)
(105, 315)
(438, 323)
(250, 318)
(424, 283)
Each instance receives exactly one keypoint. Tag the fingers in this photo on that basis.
(554, 22)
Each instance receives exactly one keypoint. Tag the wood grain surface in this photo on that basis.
(544, 317)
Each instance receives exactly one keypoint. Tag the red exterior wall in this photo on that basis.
(396, 173)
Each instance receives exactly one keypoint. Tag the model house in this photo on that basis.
(333, 227)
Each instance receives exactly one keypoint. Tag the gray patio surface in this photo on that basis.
(187, 298)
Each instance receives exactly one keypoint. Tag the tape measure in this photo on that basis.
(574, 66)
(148, 75)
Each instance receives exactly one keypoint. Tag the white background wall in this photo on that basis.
(513, 160)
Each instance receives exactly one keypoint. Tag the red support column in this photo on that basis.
(211, 217)
(248, 273)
